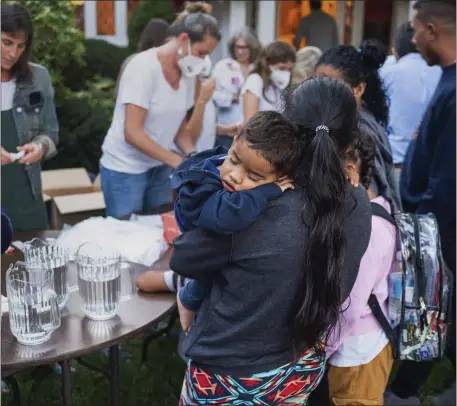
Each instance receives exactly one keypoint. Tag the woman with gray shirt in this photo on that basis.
(277, 286)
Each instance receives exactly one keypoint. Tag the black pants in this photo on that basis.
(412, 375)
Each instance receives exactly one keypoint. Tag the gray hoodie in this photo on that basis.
(384, 182)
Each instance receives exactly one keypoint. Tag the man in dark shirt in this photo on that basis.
(428, 183)
(318, 28)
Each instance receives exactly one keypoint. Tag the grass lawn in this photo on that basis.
(156, 383)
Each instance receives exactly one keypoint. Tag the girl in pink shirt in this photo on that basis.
(359, 354)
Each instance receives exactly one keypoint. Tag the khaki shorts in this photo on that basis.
(362, 385)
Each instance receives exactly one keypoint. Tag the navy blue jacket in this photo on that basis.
(428, 176)
(204, 203)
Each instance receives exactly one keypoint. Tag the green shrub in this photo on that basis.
(101, 59)
(143, 13)
(83, 127)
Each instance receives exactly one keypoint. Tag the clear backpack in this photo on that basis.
(420, 289)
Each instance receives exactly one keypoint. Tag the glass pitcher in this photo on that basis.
(32, 303)
(101, 280)
(40, 255)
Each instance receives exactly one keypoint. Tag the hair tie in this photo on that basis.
(322, 127)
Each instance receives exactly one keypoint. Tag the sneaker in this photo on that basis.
(390, 399)
(446, 398)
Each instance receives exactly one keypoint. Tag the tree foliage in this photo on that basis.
(143, 13)
(58, 44)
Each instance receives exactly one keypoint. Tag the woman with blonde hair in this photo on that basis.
(307, 59)
(269, 78)
(230, 75)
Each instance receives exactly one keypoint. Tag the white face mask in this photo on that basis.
(190, 65)
(206, 71)
(280, 78)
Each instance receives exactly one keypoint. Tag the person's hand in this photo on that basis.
(6, 157)
(185, 315)
(233, 130)
(33, 153)
(353, 177)
(206, 90)
(175, 160)
(285, 184)
(236, 98)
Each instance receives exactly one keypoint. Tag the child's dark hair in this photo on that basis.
(361, 66)
(274, 53)
(276, 139)
(364, 154)
(325, 110)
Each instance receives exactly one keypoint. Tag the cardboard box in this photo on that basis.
(61, 182)
(97, 185)
(170, 227)
(70, 196)
(72, 209)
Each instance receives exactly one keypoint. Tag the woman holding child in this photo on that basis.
(259, 333)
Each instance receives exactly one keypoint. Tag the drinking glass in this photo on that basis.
(32, 303)
(46, 255)
(101, 276)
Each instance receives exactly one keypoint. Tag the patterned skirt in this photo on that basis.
(288, 385)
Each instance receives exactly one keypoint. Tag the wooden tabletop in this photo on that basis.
(78, 335)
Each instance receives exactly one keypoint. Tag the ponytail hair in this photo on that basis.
(196, 21)
(364, 154)
(325, 111)
(361, 66)
(273, 53)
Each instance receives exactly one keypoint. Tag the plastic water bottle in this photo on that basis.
(395, 293)
(409, 288)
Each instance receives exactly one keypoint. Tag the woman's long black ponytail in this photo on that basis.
(326, 112)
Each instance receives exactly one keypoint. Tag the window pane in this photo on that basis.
(105, 17)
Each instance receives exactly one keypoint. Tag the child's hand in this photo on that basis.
(185, 315)
(285, 184)
(353, 177)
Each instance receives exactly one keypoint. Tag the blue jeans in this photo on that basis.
(127, 193)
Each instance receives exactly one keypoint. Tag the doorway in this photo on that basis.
(378, 20)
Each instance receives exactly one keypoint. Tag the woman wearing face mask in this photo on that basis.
(230, 75)
(269, 78)
(156, 90)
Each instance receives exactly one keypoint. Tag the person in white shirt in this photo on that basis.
(410, 85)
(231, 74)
(156, 90)
(269, 78)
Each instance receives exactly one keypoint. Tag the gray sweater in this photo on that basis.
(245, 325)
(384, 182)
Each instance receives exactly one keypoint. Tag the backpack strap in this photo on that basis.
(379, 211)
(382, 320)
